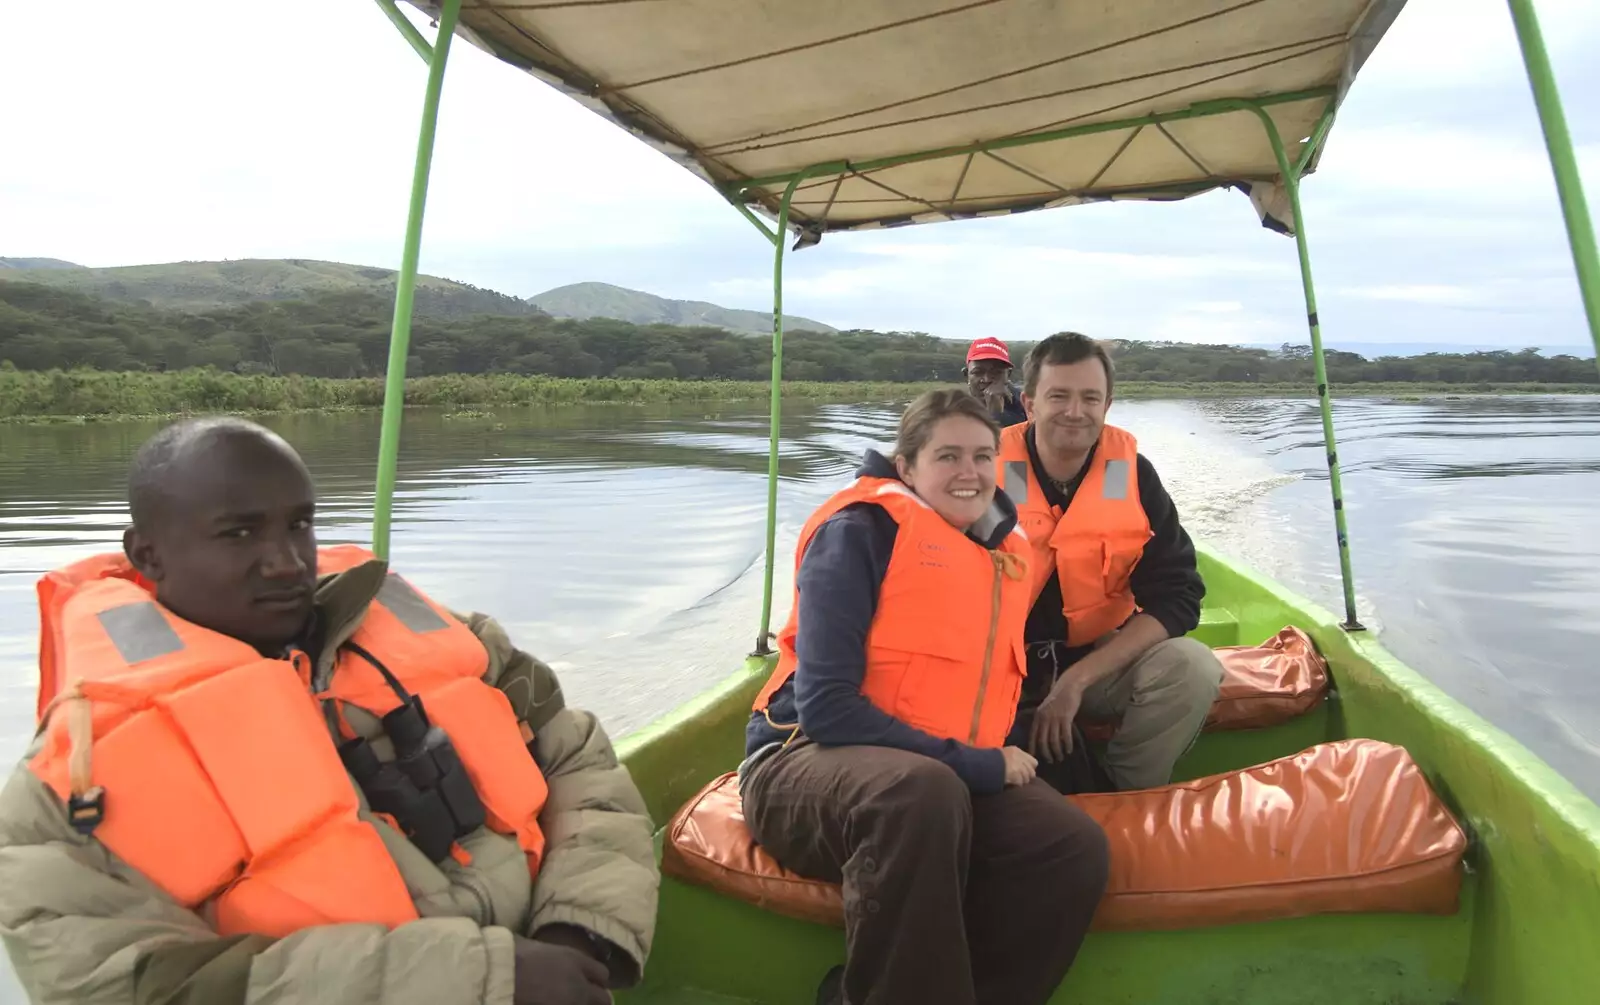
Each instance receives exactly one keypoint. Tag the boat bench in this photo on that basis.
(1347, 826)
(1265, 685)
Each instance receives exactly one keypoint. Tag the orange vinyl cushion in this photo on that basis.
(1268, 842)
(1262, 685)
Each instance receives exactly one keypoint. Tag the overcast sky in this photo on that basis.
(203, 129)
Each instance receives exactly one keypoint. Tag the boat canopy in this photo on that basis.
(893, 112)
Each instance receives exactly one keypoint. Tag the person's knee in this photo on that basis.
(1070, 852)
(1082, 845)
(924, 790)
(895, 790)
(1181, 670)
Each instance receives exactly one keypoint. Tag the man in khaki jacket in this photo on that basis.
(222, 516)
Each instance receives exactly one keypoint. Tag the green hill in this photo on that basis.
(345, 333)
(602, 300)
(203, 286)
(37, 263)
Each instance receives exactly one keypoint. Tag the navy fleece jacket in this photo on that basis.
(838, 583)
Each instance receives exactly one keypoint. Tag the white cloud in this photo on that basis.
(1447, 296)
(150, 141)
(1503, 294)
(832, 284)
(1225, 329)
(1442, 44)
(1475, 170)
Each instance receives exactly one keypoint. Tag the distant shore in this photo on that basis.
(87, 395)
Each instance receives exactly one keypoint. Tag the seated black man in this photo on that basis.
(269, 774)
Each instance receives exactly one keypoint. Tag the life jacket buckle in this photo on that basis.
(86, 811)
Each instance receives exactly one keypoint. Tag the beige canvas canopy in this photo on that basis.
(914, 111)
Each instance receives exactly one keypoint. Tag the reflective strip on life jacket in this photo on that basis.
(944, 653)
(53, 589)
(220, 780)
(1093, 547)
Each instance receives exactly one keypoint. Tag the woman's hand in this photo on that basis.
(1020, 766)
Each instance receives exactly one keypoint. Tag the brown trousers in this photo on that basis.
(948, 897)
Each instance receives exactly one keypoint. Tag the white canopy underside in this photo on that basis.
(737, 90)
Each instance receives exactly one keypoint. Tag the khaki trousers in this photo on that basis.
(1162, 700)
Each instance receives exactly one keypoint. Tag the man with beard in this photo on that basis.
(1114, 582)
(988, 373)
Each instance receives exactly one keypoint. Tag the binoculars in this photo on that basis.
(425, 788)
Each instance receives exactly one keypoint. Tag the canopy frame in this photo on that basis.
(1290, 173)
(394, 387)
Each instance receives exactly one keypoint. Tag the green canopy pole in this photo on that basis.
(394, 389)
(407, 30)
(1569, 183)
(779, 238)
(1291, 184)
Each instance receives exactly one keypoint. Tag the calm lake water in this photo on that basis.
(623, 544)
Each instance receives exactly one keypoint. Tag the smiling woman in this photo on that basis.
(945, 454)
(896, 686)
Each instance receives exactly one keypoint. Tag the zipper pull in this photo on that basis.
(1005, 562)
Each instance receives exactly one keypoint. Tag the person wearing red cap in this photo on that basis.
(988, 373)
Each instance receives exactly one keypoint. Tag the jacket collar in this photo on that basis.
(342, 600)
(1054, 495)
(991, 529)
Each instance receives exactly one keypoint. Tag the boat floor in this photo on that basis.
(680, 996)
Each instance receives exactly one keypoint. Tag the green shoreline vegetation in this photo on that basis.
(88, 395)
(69, 355)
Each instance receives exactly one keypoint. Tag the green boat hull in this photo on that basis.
(1524, 934)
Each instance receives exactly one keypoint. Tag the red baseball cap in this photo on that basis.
(988, 347)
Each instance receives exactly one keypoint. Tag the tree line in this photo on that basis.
(344, 334)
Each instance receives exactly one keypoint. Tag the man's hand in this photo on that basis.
(1051, 738)
(1021, 766)
(549, 973)
(1112, 653)
(572, 937)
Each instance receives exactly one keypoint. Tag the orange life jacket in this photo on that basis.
(213, 771)
(1095, 544)
(944, 653)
